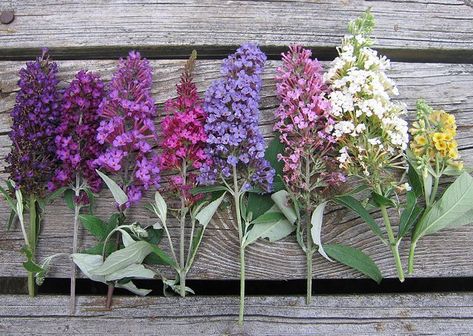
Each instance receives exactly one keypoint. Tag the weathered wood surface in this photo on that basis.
(445, 254)
(419, 314)
(437, 29)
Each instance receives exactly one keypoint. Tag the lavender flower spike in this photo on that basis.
(127, 127)
(234, 139)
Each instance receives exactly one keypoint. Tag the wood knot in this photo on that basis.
(468, 3)
(7, 16)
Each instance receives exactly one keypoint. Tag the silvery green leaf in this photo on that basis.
(450, 210)
(117, 192)
(132, 288)
(316, 229)
(131, 271)
(281, 199)
(271, 225)
(132, 254)
(126, 238)
(205, 215)
(87, 263)
(19, 204)
(138, 231)
(45, 265)
(161, 208)
(174, 285)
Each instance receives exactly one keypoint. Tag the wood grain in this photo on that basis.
(396, 314)
(437, 30)
(445, 254)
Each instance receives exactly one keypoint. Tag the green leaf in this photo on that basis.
(450, 210)
(272, 225)
(131, 271)
(409, 215)
(95, 226)
(69, 198)
(258, 204)
(132, 254)
(164, 259)
(117, 192)
(381, 200)
(354, 258)
(8, 198)
(281, 199)
(355, 205)
(205, 215)
(30, 265)
(11, 219)
(414, 180)
(207, 189)
(316, 229)
(99, 248)
(154, 236)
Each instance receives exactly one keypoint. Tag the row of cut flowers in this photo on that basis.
(339, 138)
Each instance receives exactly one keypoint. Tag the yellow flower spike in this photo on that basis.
(457, 165)
(441, 146)
(435, 116)
(438, 137)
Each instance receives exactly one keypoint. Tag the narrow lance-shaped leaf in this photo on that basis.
(353, 204)
(117, 192)
(316, 229)
(409, 215)
(354, 258)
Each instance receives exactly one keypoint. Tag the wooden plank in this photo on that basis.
(445, 254)
(393, 314)
(106, 28)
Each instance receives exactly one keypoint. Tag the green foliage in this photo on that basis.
(355, 259)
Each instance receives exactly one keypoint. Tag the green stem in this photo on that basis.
(242, 285)
(32, 241)
(236, 197)
(410, 268)
(309, 273)
(74, 246)
(393, 243)
(182, 241)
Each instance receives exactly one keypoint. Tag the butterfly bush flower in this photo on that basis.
(235, 145)
(76, 146)
(233, 136)
(183, 145)
(77, 149)
(184, 137)
(32, 160)
(368, 125)
(433, 138)
(305, 126)
(127, 128)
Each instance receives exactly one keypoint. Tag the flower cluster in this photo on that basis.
(127, 127)
(32, 159)
(305, 123)
(434, 136)
(233, 136)
(76, 147)
(184, 137)
(368, 124)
